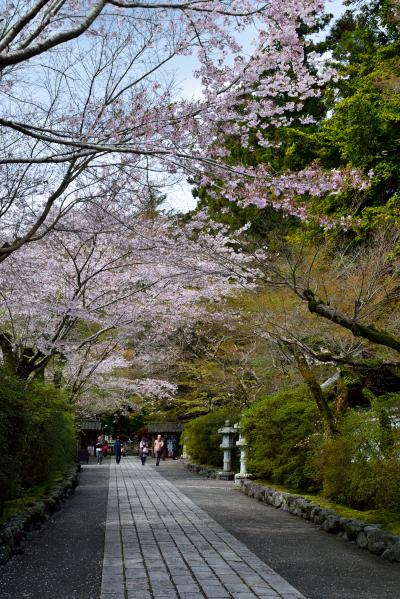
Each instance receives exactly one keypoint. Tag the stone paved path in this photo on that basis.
(159, 543)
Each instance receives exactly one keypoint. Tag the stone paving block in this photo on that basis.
(159, 568)
(110, 579)
(245, 595)
(182, 579)
(217, 595)
(131, 585)
(159, 576)
(204, 576)
(114, 590)
(214, 591)
(179, 571)
(133, 561)
(136, 566)
(254, 580)
(210, 582)
(187, 588)
(238, 588)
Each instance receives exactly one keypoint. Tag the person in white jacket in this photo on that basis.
(143, 450)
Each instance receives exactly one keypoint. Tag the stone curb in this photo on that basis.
(366, 536)
(24, 526)
(202, 470)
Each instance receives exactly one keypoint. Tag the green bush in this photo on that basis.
(280, 430)
(201, 439)
(13, 423)
(360, 467)
(37, 435)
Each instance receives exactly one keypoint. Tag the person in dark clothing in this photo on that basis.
(118, 450)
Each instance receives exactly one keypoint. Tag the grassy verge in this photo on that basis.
(389, 521)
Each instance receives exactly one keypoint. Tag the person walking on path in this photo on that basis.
(143, 450)
(104, 449)
(99, 448)
(158, 448)
(118, 450)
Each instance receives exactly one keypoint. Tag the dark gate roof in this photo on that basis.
(164, 427)
(89, 424)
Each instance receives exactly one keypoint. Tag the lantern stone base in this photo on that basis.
(225, 475)
(239, 477)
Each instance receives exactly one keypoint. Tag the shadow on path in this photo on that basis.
(65, 560)
(319, 565)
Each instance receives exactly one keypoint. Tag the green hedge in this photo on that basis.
(202, 440)
(37, 435)
(280, 431)
(360, 467)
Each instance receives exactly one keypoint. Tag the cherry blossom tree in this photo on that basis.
(87, 101)
(73, 302)
(98, 386)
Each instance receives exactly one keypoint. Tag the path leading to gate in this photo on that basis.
(159, 543)
(169, 533)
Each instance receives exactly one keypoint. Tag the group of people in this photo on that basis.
(144, 449)
(161, 449)
(102, 449)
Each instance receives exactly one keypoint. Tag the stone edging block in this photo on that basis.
(23, 526)
(203, 470)
(367, 536)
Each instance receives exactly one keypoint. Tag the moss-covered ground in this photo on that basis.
(389, 521)
(15, 506)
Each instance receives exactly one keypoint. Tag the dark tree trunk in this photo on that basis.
(315, 389)
(369, 332)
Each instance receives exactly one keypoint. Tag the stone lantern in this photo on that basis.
(242, 444)
(228, 433)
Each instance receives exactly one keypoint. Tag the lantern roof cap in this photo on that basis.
(227, 429)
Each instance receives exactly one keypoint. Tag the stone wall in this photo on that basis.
(22, 527)
(367, 536)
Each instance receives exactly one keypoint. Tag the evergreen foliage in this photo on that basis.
(360, 467)
(37, 435)
(202, 440)
(279, 429)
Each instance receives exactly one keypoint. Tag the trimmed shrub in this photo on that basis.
(201, 439)
(280, 429)
(360, 467)
(37, 435)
